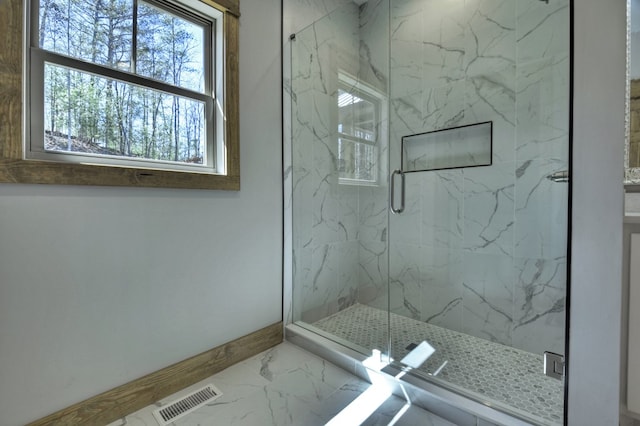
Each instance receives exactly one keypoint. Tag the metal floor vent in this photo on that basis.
(187, 404)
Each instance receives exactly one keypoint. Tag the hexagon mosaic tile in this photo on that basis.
(506, 377)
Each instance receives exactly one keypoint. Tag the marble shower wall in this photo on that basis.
(297, 15)
(327, 238)
(483, 250)
(478, 250)
(373, 201)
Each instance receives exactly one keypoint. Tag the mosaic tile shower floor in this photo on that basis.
(505, 376)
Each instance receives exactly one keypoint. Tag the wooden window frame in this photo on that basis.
(15, 169)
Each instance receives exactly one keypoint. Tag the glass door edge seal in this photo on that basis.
(339, 340)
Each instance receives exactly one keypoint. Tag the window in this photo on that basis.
(128, 93)
(359, 113)
(124, 82)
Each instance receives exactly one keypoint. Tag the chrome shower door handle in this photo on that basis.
(392, 198)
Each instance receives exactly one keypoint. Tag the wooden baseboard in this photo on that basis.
(126, 399)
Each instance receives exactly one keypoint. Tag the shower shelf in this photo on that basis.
(452, 148)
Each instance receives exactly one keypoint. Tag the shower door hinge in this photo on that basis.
(554, 365)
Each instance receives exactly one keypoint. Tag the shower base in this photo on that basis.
(494, 374)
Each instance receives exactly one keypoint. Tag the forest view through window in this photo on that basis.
(125, 82)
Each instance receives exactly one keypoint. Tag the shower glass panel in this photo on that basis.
(478, 256)
(475, 264)
(339, 84)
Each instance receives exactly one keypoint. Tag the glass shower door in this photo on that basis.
(469, 103)
(339, 73)
(479, 136)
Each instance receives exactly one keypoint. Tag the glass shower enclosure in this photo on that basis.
(429, 161)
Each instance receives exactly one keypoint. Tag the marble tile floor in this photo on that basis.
(285, 385)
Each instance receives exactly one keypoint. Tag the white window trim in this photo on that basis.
(33, 112)
(350, 82)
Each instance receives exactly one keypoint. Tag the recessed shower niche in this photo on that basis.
(457, 147)
(469, 101)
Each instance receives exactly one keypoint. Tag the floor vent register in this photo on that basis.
(187, 404)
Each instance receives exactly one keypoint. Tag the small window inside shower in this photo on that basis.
(359, 112)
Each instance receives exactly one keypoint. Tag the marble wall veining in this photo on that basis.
(480, 250)
(324, 212)
(483, 250)
(373, 202)
(297, 15)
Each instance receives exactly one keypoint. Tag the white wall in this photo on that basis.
(597, 202)
(99, 286)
